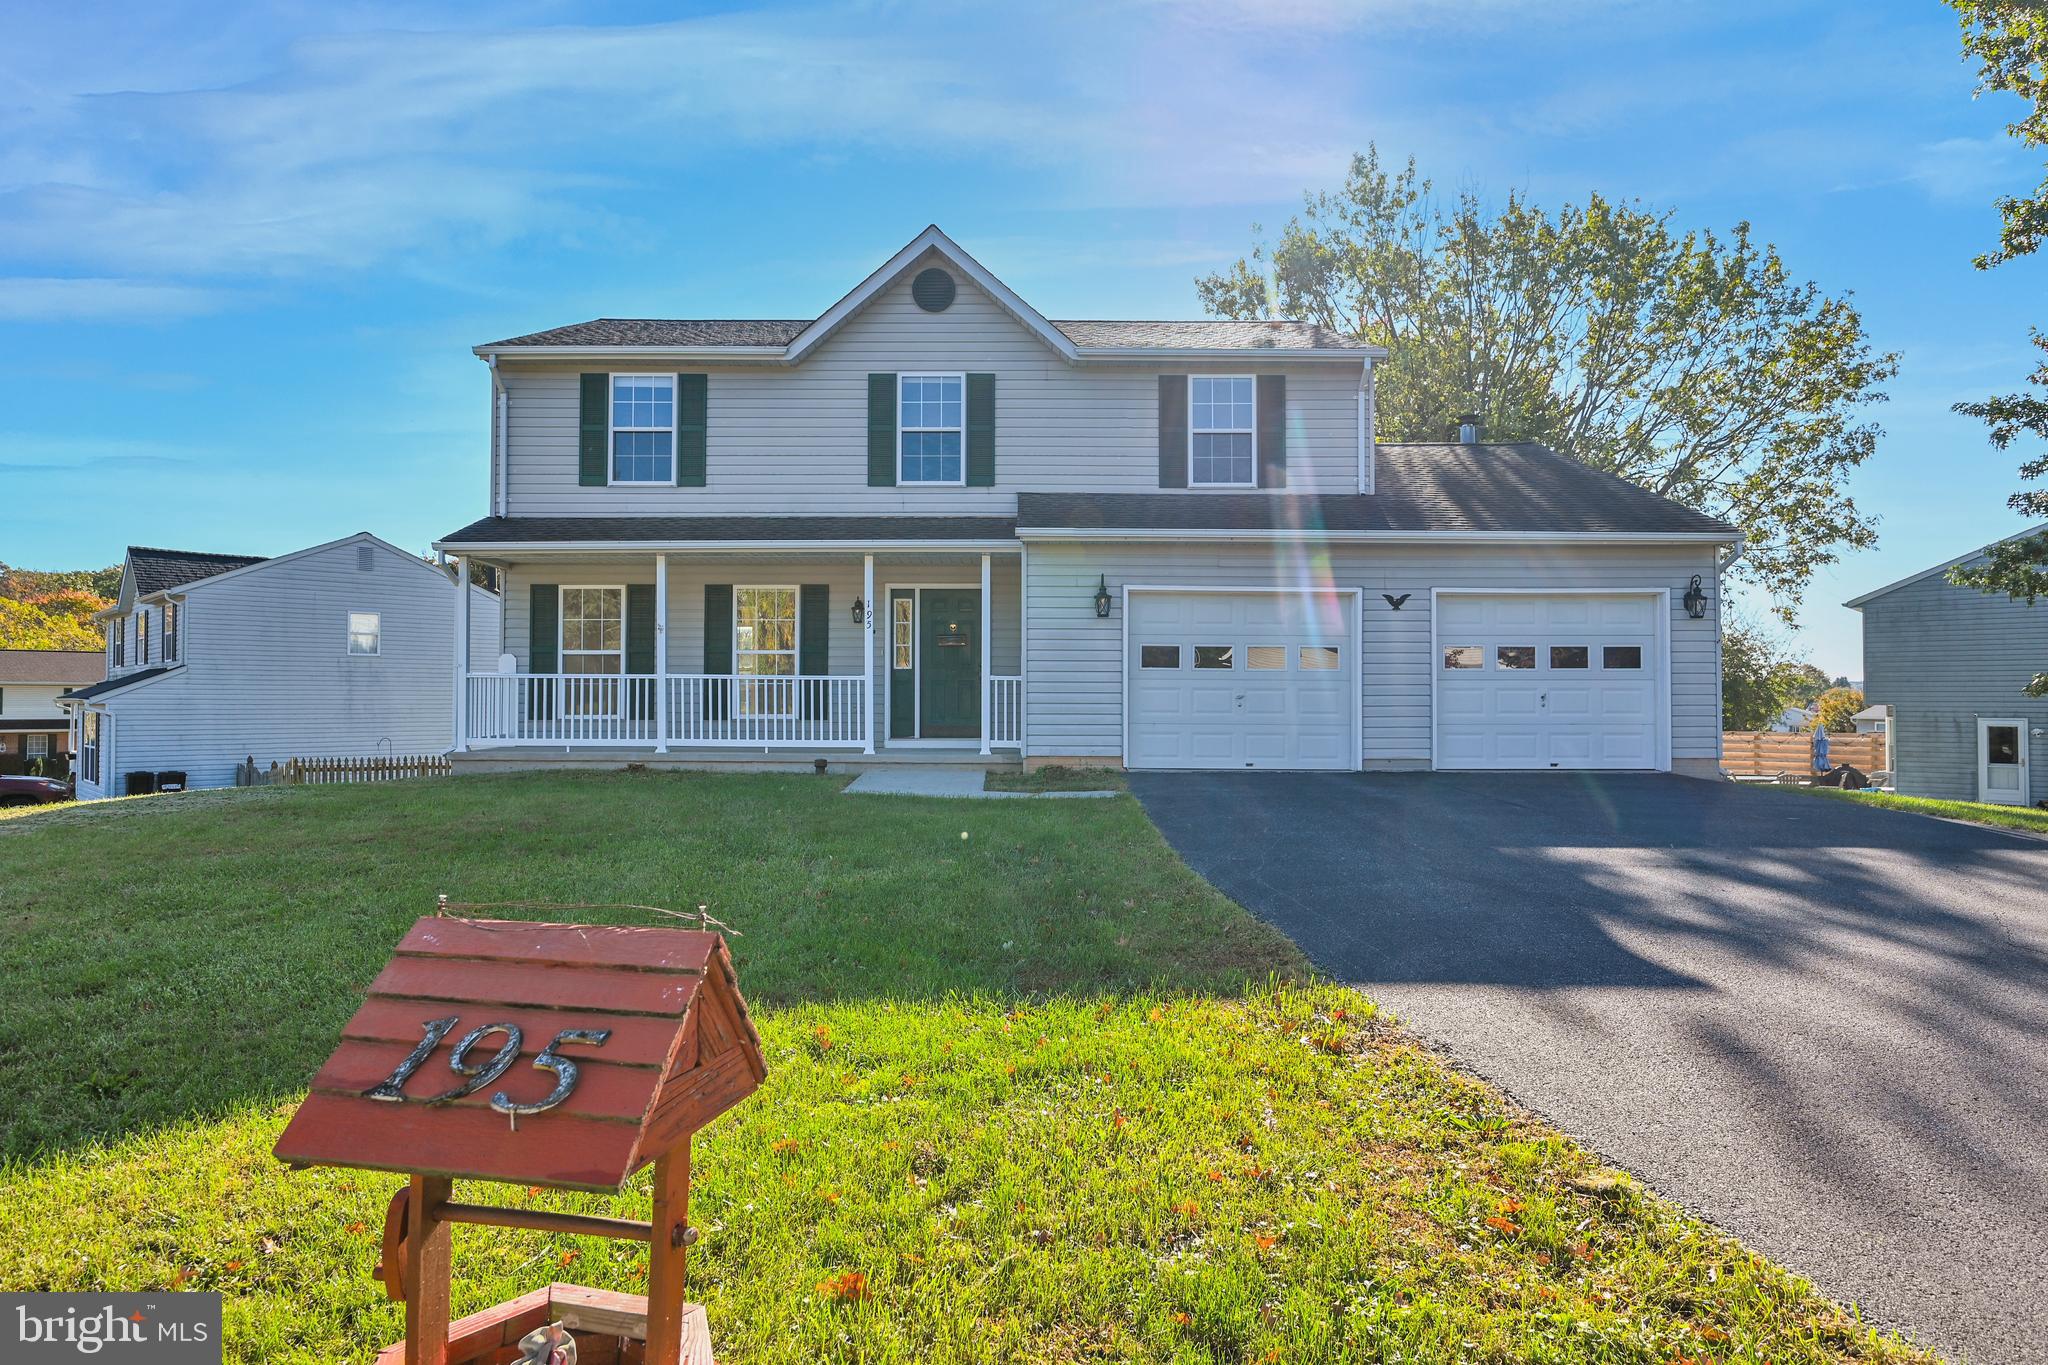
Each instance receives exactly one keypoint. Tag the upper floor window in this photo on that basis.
(1220, 431)
(142, 637)
(170, 632)
(120, 641)
(643, 428)
(365, 632)
(931, 429)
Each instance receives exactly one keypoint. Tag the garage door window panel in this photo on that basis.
(1515, 657)
(1266, 657)
(1620, 657)
(1215, 656)
(1464, 656)
(1319, 658)
(1159, 656)
(1569, 656)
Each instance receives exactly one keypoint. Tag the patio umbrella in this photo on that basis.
(1821, 763)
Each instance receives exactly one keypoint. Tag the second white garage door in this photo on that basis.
(1543, 681)
(1241, 680)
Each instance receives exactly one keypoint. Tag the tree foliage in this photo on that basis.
(1750, 696)
(42, 609)
(25, 625)
(1838, 708)
(1692, 364)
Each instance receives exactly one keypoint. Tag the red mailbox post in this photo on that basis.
(562, 1055)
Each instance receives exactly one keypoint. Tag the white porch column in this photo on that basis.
(867, 654)
(461, 654)
(661, 654)
(987, 629)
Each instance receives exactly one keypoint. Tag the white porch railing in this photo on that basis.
(703, 710)
(1005, 711)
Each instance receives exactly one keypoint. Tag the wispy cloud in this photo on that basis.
(63, 299)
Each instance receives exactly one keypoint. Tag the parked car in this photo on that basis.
(16, 790)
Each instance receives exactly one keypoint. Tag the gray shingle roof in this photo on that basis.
(682, 530)
(71, 667)
(1446, 487)
(1209, 334)
(158, 570)
(100, 689)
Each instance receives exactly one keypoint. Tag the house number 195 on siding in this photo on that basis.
(476, 1076)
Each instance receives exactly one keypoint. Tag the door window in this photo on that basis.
(901, 632)
(764, 649)
(2001, 743)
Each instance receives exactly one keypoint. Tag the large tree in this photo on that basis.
(1693, 364)
(2008, 39)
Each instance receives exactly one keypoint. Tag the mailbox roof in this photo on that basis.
(682, 1050)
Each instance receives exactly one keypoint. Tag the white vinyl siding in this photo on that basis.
(793, 441)
(1073, 695)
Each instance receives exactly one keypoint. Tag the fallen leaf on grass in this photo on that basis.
(852, 1287)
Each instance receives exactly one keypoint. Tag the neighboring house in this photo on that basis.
(1870, 720)
(1951, 664)
(930, 522)
(1794, 719)
(32, 725)
(340, 650)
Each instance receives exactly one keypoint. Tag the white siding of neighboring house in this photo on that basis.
(265, 670)
(791, 441)
(1074, 688)
(30, 701)
(687, 576)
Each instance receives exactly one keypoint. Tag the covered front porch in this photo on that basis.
(689, 655)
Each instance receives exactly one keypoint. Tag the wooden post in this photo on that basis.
(427, 1268)
(667, 1255)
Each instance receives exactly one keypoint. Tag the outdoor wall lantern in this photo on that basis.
(1102, 595)
(860, 612)
(1695, 599)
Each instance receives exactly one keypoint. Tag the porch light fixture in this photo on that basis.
(1695, 599)
(860, 612)
(1102, 595)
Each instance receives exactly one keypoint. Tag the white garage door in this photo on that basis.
(1241, 680)
(1539, 681)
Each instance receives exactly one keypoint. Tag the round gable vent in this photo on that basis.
(933, 290)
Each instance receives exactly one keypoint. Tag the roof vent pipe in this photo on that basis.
(1468, 429)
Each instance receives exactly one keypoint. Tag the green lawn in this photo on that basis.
(1058, 777)
(1050, 1094)
(1976, 812)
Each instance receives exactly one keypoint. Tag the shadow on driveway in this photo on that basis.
(1823, 1026)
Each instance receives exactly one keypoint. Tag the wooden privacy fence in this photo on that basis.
(294, 772)
(1766, 753)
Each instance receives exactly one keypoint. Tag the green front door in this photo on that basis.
(949, 663)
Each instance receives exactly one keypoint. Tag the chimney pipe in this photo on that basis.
(1468, 429)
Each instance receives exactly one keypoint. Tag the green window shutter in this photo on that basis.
(1173, 431)
(981, 431)
(1272, 403)
(639, 627)
(881, 431)
(692, 428)
(543, 636)
(543, 626)
(814, 643)
(593, 456)
(717, 647)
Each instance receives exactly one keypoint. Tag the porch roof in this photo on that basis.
(819, 532)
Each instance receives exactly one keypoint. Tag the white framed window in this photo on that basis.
(89, 746)
(1222, 444)
(643, 428)
(142, 637)
(37, 746)
(764, 634)
(119, 641)
(170, 632)
(593, 630)
(365, 633)
(930, 428)
(902, 633)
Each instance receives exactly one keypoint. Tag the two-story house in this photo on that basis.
(932, 523)
(339, 650)
(1946, 670)
(34, 734)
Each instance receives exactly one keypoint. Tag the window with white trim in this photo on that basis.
(89, 747)
(120, 641)
(365, 633)
(644, 428)
(901, 633)
(1220, 415)
(170, 632)
(142, 637)
(764, 649)
(36, 746)
(930, 430)
(593, 630)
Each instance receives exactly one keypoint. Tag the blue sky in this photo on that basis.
(242, 259)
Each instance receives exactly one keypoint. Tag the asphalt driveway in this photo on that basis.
(1823, 1027)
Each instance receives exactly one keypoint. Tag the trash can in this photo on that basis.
(141, 784)
(170, 780)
